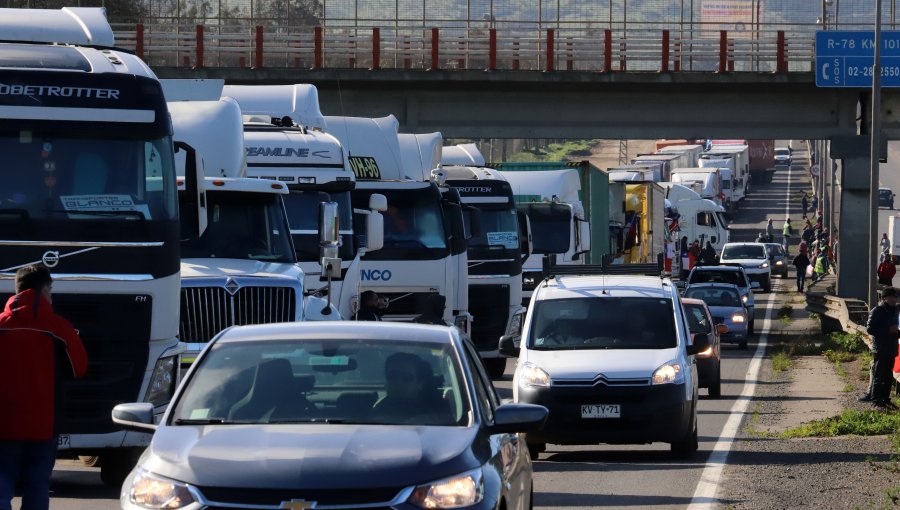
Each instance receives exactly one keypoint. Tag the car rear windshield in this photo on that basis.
(729, 277)
(603, 323)
(715, 296)
(743, 251)
(326, 381)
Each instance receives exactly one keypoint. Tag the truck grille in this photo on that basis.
(205, 311)
(489, 306)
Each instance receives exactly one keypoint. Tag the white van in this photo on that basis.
(611, 357)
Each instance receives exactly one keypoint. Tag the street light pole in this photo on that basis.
(874, 156)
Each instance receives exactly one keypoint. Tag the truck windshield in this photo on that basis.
(500, 234)
(303, 216)
(603, 323)
(243, 226)
(551, 226)
(61, 187)
(414, 227)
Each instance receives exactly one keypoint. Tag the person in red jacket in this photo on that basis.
(37, 350)
(886, 271)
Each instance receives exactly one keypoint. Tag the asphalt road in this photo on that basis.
(596, 476)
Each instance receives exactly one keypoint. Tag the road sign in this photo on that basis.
(846, 58)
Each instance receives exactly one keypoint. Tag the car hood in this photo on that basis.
(211, 268)
(309, 456)
(612, 363)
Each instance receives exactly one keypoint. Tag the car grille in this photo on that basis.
(600, 380)
(272, 498)
(115, 330)
(489, 306)
(205, 311)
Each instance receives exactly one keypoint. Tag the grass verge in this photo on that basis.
(781, 361)
(850, 422)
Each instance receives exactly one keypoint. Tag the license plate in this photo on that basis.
(601, 411)
(62, 442)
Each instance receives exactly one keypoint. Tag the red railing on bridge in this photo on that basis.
(548, 50)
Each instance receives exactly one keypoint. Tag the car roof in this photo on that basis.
(712, 285)
(321, 330)
(744, 244)
(564, 287)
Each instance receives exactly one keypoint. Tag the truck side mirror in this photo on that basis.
(458, 242)
(378, 202)
(584, 235)
(374, 231)
(194, 219)
(476, 226)
(329, 239)
(525, 244)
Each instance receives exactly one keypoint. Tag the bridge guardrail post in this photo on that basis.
(515, 62)
(139, 40)
(551, 42)
(781, 55)
(569, 62)
(260, 48)
(677, 60)
(731, 55)
(435, 48)
(407, 61)
(607, 50)
(664, 68)
(723, 51)
(623, 52)
(492, 49)
(376, 48)
(199, 47)
(317, 48)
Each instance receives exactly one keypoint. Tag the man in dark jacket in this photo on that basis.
(368, 307)
(36, 346)
(801, 262)
(882, 325)
(708, 255)
(434, 311)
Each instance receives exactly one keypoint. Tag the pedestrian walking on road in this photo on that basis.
(815, 203)
(801, 262)
(37, 349)
(708, 255)
(804, 203)
(882, 325)
(821, 263)
(886, 271)
(788, 233)
(694, 253)
(770, 231)
(885, 244)
(433, 312)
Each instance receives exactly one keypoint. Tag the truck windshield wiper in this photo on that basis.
(91, 212)
(23, 213)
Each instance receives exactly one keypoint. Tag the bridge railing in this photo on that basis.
(553, 49)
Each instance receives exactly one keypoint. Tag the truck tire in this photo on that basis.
(117, 464)
(495, 367)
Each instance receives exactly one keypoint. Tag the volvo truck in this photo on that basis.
(285, 142)
(89, 190)
(495, 256)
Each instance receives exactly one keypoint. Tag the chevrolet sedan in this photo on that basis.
(337, 415)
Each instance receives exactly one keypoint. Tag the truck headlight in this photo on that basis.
(533, 375)
(670, 373)
(152, 491)
(162, 381)
(463, 490)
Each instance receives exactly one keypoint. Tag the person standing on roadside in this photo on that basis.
(886, 271)
(885, 244)
(38, 349)
(801, 262)
(804, 204)
(770, 231)
(708, 255)
(882, 325)
(788, 233)
(815, 203)
(694, 253)
(368, 307)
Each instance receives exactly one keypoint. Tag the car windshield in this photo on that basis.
(782, 152)
(885, 193)
(715, 296)
(728, 277)
(242, 226)
(743, 251)
(775, 250)
(550, 226)
(358, 381)
(303, 215)
(698, 322)
(603, 323)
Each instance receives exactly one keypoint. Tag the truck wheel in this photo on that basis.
(90, 460)
(117, 464)
(495, 367)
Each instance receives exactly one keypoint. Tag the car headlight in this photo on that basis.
(670, 373)
(152, 491)
(466, 489)
(764, 265)
(162, 382)
(745, 298)
(738, 317)
(533, 375)
(515, 325)
(779, 262)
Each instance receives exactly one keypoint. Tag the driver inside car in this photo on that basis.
(411, 392)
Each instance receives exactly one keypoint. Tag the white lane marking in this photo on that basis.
(705, 495)
(708, 486)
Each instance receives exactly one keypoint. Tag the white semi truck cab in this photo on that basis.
(285, 142)
(698, 218)
(89, 189)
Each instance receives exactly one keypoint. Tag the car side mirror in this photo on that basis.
(136, 416)
(721, 329)
(701, 343)
(755, 285)
(515, 418)
(508, 347)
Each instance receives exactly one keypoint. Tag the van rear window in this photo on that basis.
(603, 323)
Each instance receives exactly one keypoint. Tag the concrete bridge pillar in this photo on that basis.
(855, 270)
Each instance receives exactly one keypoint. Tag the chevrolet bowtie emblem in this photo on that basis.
(232, 286)
(298, 504)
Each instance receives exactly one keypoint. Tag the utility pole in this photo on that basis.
(874, 156)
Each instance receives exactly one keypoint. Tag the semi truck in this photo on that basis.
(667, 162)
(732, 188)
(739, 155)
(708, 182)
(691, 151)
(285, 142)
(91, 193)
(646, 235)
(495, 256)
(761, 156)
(639, 173)
(695, 217)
